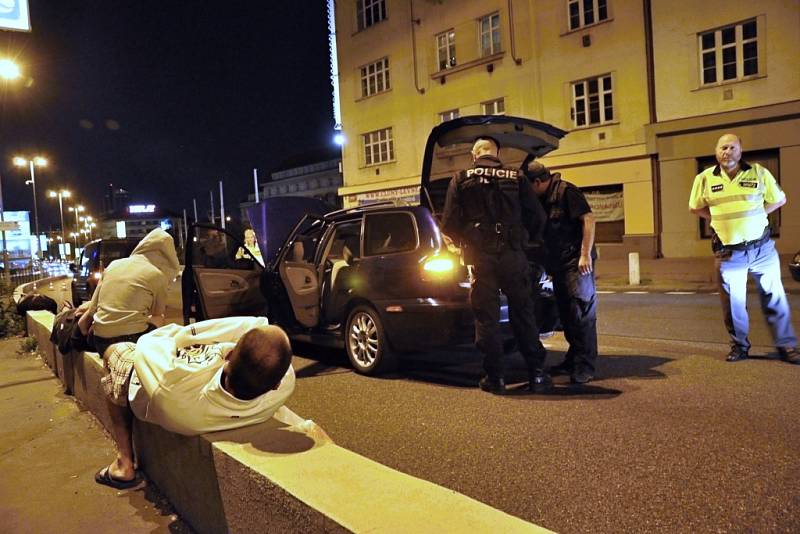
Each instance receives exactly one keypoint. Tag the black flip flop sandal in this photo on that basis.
(104, 477)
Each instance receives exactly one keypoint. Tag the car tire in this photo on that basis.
(366, 343)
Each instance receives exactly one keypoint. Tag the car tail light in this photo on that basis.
(97, 275)
(439, 264)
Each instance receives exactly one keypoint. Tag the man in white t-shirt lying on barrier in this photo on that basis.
(212, 375)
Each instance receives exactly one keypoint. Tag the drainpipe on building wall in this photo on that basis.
(655, 168)
(414, 22)
(517, 60)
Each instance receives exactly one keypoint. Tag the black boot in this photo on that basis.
(540, 381)
(494, 385)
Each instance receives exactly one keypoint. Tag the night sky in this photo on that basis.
(163, 98)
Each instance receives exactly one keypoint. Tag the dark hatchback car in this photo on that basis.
(375, 279)
(94, 258)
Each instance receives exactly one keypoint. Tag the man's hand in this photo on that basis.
(585, 264)
(85, 322)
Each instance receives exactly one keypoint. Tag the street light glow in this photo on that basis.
(20, 161)
(39, 161)
(9, 70)
(339, 139)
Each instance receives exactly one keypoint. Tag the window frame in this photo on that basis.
(586, 98)
(493, 49)
(719, 48)
(494, 103)
(379, 75)
(363, 7)
(367, 143)
(449, 115)
(449, 47)
(598, 6)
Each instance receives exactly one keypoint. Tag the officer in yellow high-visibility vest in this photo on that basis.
(736, 198)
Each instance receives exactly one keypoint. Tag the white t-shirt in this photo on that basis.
(176, 379)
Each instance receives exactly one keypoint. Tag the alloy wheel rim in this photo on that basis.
(364, 339)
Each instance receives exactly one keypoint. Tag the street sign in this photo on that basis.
(9, 226)
(14, 15)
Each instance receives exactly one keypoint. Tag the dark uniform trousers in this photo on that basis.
(576, 299)
(507, 270)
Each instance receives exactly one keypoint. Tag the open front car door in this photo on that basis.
(222, 277)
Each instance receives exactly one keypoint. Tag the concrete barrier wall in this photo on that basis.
(276, 477)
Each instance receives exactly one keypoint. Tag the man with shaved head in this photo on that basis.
(208, 376)
(491, 212)
(736, 198)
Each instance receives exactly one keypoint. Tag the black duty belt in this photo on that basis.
(748, 245)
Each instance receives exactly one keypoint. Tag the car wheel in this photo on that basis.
(365, 341)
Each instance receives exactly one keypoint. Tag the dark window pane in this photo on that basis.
(580, 119)
(594, 110)
(574, 16)
(750, 67)
(708, 40)
(729, 55)
(578, 89)
(593, 86)
(749, 29)
(609, 108)
(710, 75)
(750, 50)
(729, 72)
(728, 35)
(580, 106)
(709, 60)
(588, 12)
(607, 83)
(602, 10)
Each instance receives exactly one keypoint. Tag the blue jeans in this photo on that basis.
(764, 264)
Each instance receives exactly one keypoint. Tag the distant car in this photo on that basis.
(794, 267)
(375, 279)
(94, 258)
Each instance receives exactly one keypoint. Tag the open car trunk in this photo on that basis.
(448, 149)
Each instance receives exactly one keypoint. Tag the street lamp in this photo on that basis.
(61, 196)
(37, 161)
(9, 70)
(76, 209)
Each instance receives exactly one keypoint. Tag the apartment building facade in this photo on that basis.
(620, 75)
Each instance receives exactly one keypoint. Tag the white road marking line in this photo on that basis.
(637, 292)
(679, 293)
(606, 292)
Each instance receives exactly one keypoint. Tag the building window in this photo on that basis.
(729, 53)
(445, 116)
(446, 47)
(586, 12)
(370, 12)
(375, 77)
(490, 34)
(494, 107)
(592, 101)
(378, 146)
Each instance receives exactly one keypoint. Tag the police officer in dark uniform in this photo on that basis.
(491, 211)
(569, 258)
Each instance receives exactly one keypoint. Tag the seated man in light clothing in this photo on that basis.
(212, 375)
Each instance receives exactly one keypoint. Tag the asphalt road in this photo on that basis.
(669, 438)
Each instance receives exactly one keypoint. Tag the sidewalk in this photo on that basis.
(49, 452)
(673, 274)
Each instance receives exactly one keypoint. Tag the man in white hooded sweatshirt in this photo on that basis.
(131, 298)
